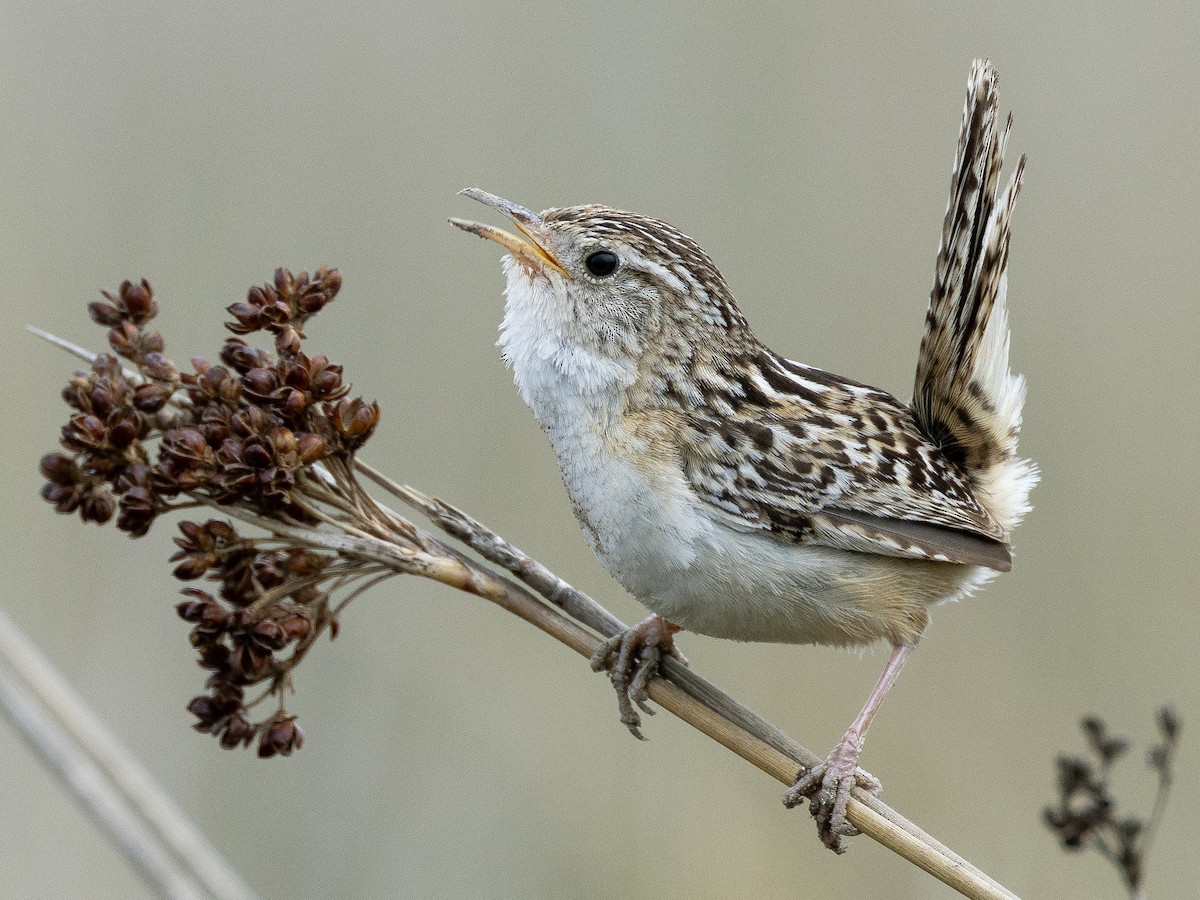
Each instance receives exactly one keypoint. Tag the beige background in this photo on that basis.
(453, 752)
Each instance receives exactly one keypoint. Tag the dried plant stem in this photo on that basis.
(358, 530)
(691, 698)
(157, 837)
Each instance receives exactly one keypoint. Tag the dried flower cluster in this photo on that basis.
(241, 434)
(1086, 814)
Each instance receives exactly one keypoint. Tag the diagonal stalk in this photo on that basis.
(392, 543)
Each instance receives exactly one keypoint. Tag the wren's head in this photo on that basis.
(602, 293)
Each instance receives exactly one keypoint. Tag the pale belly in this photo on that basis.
(679, 558)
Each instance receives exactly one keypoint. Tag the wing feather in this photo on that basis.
(839, 464)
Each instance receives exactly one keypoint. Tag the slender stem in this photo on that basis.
(1160, 804)
(317, 513)
(496, 549)
(76, 350)
(1106, 852)
(325, 473)
(361, 589)
(320, 491)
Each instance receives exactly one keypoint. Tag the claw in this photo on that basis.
(827, 787)
(632, 658)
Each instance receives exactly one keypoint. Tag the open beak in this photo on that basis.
(529, 252)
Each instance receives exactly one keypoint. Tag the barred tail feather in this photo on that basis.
(966, 398)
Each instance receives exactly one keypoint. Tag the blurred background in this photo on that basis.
(452, 751)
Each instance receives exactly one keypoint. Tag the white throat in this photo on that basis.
(557, 361)
(577, 394)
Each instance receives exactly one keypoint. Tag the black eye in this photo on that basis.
(602, 263)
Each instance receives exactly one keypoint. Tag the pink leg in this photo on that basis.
(827, 785)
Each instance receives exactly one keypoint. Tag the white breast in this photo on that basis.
(642, 533)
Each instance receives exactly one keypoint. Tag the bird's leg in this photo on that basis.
(632, 658)
(827, 785)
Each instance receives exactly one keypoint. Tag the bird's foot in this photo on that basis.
(827, 786)
(632, 659)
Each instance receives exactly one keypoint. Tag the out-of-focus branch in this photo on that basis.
(1087, 814)
(141, 818)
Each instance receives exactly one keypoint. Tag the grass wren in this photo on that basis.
(741, 495)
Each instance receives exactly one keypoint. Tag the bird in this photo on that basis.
(741, 495)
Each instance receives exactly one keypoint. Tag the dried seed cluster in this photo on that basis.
(241, 433)
(1086, 816)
